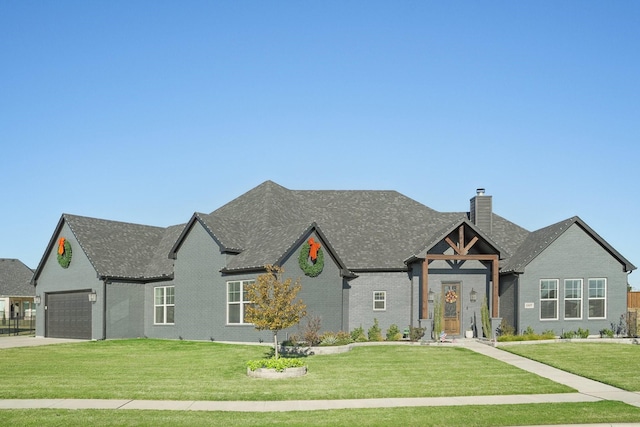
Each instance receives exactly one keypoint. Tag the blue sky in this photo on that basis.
(147, 111)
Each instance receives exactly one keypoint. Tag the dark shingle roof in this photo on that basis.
(366, 230)
(15, 279)
(120, 249)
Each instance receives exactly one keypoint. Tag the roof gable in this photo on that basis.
(484, 242)
(537, 241)
(116, 250)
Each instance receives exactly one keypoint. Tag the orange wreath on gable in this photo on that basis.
(311, 251)
(64, 252)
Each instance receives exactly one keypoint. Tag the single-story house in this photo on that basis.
(16, 291)
(381, 255)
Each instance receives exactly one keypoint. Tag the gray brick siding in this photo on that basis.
(80, 275)
(574, 255)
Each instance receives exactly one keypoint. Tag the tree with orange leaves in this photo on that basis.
(272, 304)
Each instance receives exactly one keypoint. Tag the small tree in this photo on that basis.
(272, 303)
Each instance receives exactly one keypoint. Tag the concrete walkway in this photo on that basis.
(587, 391)
(585, 386)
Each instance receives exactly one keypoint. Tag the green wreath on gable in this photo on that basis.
(64, 253)
(310, 269)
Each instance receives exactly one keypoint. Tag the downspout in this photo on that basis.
(411, 304)
(104, 309)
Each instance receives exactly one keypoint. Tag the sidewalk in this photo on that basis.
(587, 391)
(584, 386)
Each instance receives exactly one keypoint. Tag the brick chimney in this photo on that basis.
(481, 211)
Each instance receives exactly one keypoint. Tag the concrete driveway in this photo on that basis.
(27, 341)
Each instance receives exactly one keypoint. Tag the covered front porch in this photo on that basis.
(459, 272)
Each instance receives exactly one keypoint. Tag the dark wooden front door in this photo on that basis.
(451, 304)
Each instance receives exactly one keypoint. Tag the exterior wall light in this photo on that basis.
(430, 295)
(37, 299)
(473, 295)
(93, 297)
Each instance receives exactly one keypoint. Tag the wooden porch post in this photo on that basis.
(425, 289)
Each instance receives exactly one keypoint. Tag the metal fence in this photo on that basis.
(18, 325)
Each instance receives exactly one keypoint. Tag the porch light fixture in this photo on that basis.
(431, 295)
(93, 297)
(37, 299)
(473, 295)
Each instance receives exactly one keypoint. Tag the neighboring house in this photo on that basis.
(16, 291)
(382, 256)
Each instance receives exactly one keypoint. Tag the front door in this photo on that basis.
(451, 304)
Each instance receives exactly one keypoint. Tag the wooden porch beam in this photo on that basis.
(470, 245)
(453, 245)
(475, 257)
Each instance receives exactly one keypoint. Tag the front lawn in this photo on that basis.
(614, 364)
(184, 370)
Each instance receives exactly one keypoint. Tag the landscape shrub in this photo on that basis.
(357, 335)
(580, 333)
(279, 364)
(328, 338)
(528, 335)
(311, 329)
(393, 333)
(486, 320)
(293, 341)
(438, 320)
(375, 333)
(416, 334)
(505, 329)
(606, 333)
(343, 338)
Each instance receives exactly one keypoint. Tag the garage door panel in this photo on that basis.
(68, 315)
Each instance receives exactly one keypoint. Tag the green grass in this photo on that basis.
(501, 415)
(614, 364)
(183, 370)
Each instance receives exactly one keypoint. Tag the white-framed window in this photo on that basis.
(597, 298)
(164, 303)
(549, 299)
(379, 300)
(573, 299)
(237, 301)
